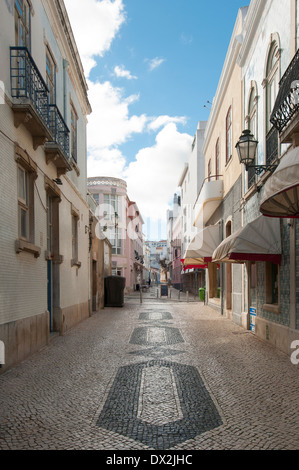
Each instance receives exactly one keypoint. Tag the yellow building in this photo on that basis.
(219, 200)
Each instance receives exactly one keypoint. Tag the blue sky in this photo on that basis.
(151, 67)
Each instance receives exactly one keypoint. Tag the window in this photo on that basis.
(272, 287)
(112, 206)
(115, 241)
(26, 175)
(217, 160)
(51, 76)
(96, 198)
(53, 195)
(74, 237)
(116, 272)
(49, 223)
(22, 23)
(252, 112)
(112, 213)
(74, 119)
(228, 127)
(75, 223)
(23, 200)
(272, 81)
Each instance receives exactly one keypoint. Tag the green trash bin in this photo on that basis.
(201, 293)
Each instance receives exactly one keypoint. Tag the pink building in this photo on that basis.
(121, 222)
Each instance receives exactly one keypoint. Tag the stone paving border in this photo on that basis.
(53, 400)
(120, 410)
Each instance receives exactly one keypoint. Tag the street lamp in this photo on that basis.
(246, 148)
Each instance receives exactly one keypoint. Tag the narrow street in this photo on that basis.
(164, 374)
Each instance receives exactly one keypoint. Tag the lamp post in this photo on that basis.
(246, 148)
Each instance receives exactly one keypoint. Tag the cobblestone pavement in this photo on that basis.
(159, 375)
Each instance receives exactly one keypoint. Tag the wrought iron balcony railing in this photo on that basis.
(271, 146)
(287, 104)
(27, 82)
(59, 130)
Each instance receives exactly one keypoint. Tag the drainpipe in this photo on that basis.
(65, 66)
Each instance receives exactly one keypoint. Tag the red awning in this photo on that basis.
(259, 240)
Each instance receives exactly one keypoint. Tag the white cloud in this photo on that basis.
(106, 162)
(152, 178)
(155, 63)
(160, 121)
(95, 25)
(110, 123)
(121, 72)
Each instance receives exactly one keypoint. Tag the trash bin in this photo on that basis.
(114, 291)
(201, 293)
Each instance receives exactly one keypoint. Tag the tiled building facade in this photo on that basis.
(256, 290)
(45, 218)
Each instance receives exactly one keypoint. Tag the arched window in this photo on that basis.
(228, 129)
(272, 80)
(252, 112)
(271, 85)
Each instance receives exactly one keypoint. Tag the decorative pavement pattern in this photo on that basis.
(158, 403)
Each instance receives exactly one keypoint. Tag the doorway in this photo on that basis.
(53, 260)
(228, 272)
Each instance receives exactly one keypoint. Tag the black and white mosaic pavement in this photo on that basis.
(156, 335)
(156, 352)
(141, 408)
(155, 315)
(157, 402)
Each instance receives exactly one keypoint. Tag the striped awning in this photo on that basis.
(281, 190)
(201, 248)
(258, 240)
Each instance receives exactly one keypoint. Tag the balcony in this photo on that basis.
(209, 199)
(285, 116)
(271, 146)
(29, 95)
(57, 150)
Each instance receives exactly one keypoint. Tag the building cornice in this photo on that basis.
(184, 172)
(106, 181)
(60, 18)
(253, 19)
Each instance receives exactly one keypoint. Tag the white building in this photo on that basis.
(158, 253)
(268, 59)
(190, 182)
(44, 219)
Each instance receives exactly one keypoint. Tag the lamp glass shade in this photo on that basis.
(246, 148)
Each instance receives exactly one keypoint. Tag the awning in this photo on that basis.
(281, 190)
(192, 264)
(259, 240)
(200, 249)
